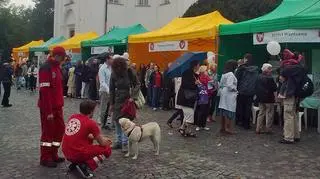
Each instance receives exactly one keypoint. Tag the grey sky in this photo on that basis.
(23, 2)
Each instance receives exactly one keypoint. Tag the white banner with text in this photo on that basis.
(181, 45)
(288, 36)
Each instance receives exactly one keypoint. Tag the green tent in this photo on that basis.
(237, 39)
(117, 38)
(45, 47)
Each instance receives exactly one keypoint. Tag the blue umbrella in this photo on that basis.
(183, 63)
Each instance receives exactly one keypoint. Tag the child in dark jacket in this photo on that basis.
(289, 80)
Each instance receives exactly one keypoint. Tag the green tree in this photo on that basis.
(234, 10)
(42, 19)
(19, 25)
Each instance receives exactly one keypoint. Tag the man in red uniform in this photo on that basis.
(51, 104)
(78, 139)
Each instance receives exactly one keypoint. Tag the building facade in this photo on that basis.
(78, 16)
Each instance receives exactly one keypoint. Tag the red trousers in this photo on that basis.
(52, 132)
(92, 155)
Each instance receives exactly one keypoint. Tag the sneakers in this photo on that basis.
(49, 164)
(83, 170)
(7, 106)
(198, 129)
(206, 128)
(72, 167)
(283, 141)
(154, 109)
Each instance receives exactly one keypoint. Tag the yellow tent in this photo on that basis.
(180, 35)
(74, 43)
(23, 51)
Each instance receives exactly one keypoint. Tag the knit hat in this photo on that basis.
(266, 66)
(60, 51)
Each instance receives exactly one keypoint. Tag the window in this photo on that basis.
(142, 3)
(71, 32)
(114, 1)
(165, 2)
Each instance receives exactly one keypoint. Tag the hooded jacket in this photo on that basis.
(247, 77)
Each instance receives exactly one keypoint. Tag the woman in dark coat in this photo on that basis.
(266, 91)
(123, 85)
(187, 97)
(93, 72)
(142, 76)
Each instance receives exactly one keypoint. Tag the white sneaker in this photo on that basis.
(198, 129)
(206, 128)
(154, 109)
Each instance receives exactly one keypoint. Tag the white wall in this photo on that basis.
(89, 15)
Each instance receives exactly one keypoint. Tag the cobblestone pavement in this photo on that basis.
(244, 155)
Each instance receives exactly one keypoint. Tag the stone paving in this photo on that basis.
(210, 155)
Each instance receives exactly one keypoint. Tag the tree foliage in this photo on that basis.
(20, 25)
(234, 10)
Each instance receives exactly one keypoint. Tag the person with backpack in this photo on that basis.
(247, 76)
(296, 86)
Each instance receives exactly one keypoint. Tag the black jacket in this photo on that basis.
(265, 89)
(294, 75)
(7, 74)
(247, 77)
(187, 84)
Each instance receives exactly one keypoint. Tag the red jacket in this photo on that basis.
(51, 88)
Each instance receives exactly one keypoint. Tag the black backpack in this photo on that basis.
(305, 88)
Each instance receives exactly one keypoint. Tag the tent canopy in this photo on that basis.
(25, 48)
(75, 41)
(117, 36)
(204, 26)
(291, 14)
(45, 47)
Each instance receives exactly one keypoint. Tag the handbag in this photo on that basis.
(140, 101)
(129, 109)
(190, 94)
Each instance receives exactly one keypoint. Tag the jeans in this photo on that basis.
(122, 139)
(18, 82)
(149, 96)
(156, 97)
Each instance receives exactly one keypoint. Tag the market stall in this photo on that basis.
(41, 51)
(114, 41)
(73, 45)
(294, 24)
(179, 36)
(23, 52)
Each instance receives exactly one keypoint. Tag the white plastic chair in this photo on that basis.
(254, 113)
(300, 120)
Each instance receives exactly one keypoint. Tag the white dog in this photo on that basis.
(138, 133)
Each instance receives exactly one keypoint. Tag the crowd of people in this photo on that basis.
(197, 98)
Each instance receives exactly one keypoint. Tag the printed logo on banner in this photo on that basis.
(151, 46)
(260, 37)
(182, 44)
